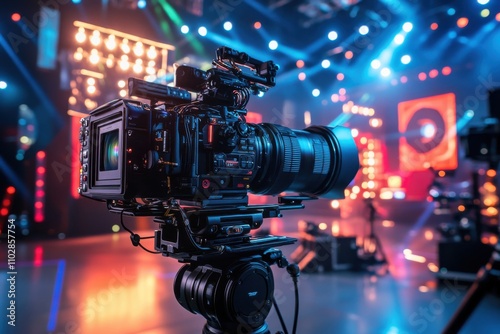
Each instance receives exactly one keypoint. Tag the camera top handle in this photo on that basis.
(265, 71)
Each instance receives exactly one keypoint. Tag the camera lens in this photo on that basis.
(318, 161)
(110, 150)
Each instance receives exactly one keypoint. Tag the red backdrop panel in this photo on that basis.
(428, 136)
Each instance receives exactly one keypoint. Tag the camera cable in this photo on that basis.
(136, 238)
(294, 272)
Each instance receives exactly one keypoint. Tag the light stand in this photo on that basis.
(373, 254)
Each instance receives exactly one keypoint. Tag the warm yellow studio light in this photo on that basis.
(152, 54)
(91, 90)
(123, 63)
(110, 61)
(78, 55)
(139, 49)
(95, 39)
(124, 46)
(94, 56)
(111, 42)
(80, 35)
(138, 66)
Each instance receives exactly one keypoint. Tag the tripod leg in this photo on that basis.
(481, 286)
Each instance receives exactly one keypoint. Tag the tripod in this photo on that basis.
(373, 252)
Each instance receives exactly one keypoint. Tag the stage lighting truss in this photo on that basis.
(105, 58)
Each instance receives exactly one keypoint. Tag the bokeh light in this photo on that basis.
(462, 22)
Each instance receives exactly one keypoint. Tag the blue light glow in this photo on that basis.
(332, 35)
(399, 39)
(406, 59)
(228, 26)
(325, 63)
(184, 29)
(76, 1)
(407, 27)
(375, 64)
(385, 72)
(452, 34)
(363, 30)
(483, 2)
(428, 130)
(141, 4)
(3, 85)
(202, 31)
(451, 11)
(315, 92)
(273, 45)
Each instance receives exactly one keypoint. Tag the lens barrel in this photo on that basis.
(318, 161)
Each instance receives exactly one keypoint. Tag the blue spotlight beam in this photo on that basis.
(56, 296)
(47, 104)
(340, 119)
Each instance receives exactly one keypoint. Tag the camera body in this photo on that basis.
(200, 154)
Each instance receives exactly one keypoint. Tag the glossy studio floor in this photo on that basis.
(102, 284)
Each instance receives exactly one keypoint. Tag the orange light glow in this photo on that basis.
(415, 258)
(335, 228)
(15, 17)
(11, 190)
(433, 267)
(340, 76)
(497, 17)
(461, 208)
(422, 76)
(257, 25)
(423, 288)
(442, 173)
(434, 26)
(446, 70)
(491, 173)
(349, 54)
(388, 223)
(40, 154)
(433, 73)
(299, 63)
(4, 212)
(462, 22)
(394, 181)
(490, 187)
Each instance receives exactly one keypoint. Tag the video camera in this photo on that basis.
(189, 158)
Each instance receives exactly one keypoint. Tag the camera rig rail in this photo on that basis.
(192, 234)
